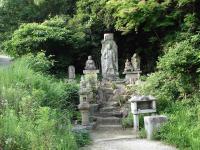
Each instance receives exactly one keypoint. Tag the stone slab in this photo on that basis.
(153, 123)
(90, 71)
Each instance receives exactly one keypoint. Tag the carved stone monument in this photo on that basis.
(132, 70)
(128, 66)
(71, 72)
(90, 65)
(109, 57)
(142, 105)
(135, 60)
(90, 73)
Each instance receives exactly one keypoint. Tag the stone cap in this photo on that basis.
(84, 106)
(160, 118)
(142, 98)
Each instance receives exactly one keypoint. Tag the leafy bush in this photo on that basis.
(34, 108)
(127, 122)
(176, 86)
(82, 137)
(178, 73)
(34, 37)
(183, 127)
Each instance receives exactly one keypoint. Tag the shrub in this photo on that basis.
(82, 137)
(176, 86)
(34, 37)
(127, 122)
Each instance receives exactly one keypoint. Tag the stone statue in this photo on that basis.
(90, 65)
(135, 60)
(128, 66)
(109, 57)
(71, 72)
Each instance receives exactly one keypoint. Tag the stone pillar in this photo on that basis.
(91, 77)
(84, 109)
(136, 122)
(153, 123)
(135, 117)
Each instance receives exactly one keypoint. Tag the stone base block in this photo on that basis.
(94, 108)
(153, 123)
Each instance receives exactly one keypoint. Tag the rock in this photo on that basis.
(5, 60)
(153, 123)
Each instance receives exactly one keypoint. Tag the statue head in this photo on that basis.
(89, 57)
(108, 36)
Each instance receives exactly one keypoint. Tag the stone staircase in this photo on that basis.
(109, 115)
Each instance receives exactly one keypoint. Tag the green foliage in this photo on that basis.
(40, 132)
(55, 37)
(178, 74)
(151, 15)
(176, 86)
(34, 108)
(28, 11)
(35, 37)
(82, 137)
(39, 62)
(183, 127)
(142, 133)
(127, 122)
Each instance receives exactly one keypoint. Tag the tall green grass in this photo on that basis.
(34, 109)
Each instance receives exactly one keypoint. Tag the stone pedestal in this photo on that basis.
(153, 123)
(84, 109)
(91, 77)
(132, 76)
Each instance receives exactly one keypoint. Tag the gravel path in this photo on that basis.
(122, 140)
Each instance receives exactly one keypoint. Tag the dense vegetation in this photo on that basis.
(36, 109)
(176, 86)
(165, 33)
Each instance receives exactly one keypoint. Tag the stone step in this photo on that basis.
(109, 120)
(112, 103)
(109, 127)
(108, 90)
(108, 109)
(109, 114)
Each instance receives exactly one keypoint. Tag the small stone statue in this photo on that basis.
(71, 72)
(135, 60)
(128, 66)
(90, 65)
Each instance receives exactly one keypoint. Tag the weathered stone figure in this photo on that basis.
(90, 65)
(71, 72)
(135, 60)
(109, 57)
(128, 66)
